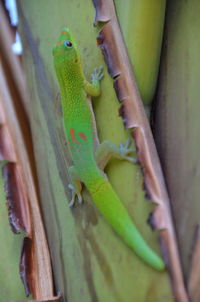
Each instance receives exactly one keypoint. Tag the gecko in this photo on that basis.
(88, 163)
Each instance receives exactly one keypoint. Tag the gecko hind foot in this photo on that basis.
(74, 195)
(124, 150)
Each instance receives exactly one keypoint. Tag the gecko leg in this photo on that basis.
(106, 150)
(75, 186)
(93, 88)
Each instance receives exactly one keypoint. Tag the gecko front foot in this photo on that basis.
(124, 150)
(75, 194)
(97, 74)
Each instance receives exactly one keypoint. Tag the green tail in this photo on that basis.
(117, 216)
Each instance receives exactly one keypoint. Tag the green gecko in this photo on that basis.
(88, 165)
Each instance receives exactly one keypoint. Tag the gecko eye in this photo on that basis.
(68, 44)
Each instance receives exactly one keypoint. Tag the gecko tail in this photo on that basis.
(112, 209)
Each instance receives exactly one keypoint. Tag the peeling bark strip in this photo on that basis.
(194, 279)
(112, 45)
(18, 211)
(26, 267)
(54, 299)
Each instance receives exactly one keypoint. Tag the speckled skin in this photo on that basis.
(79, 132)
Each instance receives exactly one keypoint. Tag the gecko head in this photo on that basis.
(65, 49)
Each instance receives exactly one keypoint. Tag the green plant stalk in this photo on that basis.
(142, 25)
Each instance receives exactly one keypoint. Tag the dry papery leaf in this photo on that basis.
(111, 42)
(16, 151)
